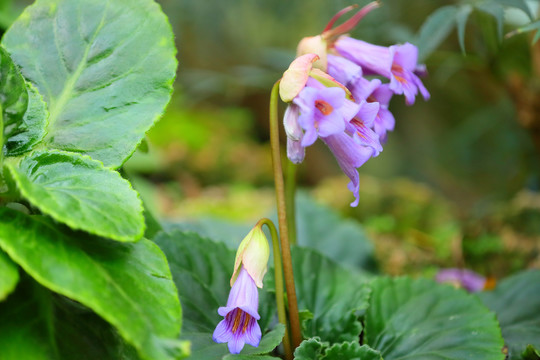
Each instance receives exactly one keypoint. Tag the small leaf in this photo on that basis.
(80, 192)
(351, 350)
(434, 30)
(105, 69)
(461, 22)
(310, 349)
(516, 301)
(9, 275)
(497, 11)
(24, 135)
(127, 284)
(422, 320)
(268, 342)
(336, 296)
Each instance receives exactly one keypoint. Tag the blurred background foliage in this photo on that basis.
(458, 181)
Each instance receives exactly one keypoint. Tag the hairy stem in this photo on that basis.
(280, 293)
(294, 321)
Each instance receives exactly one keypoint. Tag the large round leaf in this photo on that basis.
(335, 296)
(80, 192)
(516, 301)
(129, 285)
(104, 67)
(423, 320)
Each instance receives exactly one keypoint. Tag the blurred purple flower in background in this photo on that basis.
(462, 278)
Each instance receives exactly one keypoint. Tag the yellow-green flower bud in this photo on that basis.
(253, 253)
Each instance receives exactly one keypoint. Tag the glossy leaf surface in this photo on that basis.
(105, 69)
(81, 193)
(23, 136)
(129, 285)
(423, 320)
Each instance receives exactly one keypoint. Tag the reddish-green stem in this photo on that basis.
(294, 320)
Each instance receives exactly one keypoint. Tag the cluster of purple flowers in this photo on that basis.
(335, 93)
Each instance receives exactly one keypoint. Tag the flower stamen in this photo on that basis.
(246, 323)
(324, 107)
(237, 319)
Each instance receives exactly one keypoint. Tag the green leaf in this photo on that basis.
(25, 135)
(37, 324)
(434, 30)
(519, 4)
(129, 285)
(342, 240)
(13, 96)
(310, 349)
(530, 353)
(420, 319)
(105, 69)
(497, 12)
(516, 301)
(336, 296)
(268, 343)
(202, 270)
(351, 350)
(80, 192)
(461, 22)
(9, 275)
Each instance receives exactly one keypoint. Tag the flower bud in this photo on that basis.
(253, 254)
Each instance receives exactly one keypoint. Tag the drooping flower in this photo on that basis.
(239, 326)
(463, 278)
(398, 63)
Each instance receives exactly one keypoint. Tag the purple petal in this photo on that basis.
(349, 155)
(334, 96)
(421, 87)
(331, 124)
(253, 334)
(383, 94)
(373, 58)
(295, 151)
(290, 122)
(367, 137)
(368, 112)
(343, 70)
(467, 279)
(244, 294)
(309, 137)
(405, 55)
(222, 333)
(362, 88)
(236, 344)
(349, 109)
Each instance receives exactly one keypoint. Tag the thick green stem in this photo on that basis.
(280, 293)
(294, 320)
(290, 191)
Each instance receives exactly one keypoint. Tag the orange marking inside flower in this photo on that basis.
(246, 323)
(397, 71)
(324, 107)
(237, 319)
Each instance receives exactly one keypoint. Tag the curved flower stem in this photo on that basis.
(290, 192)
(294, 320)
(1, 137)
(280, 294)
